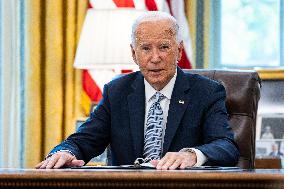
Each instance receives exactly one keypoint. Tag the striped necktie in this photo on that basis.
(154, 129)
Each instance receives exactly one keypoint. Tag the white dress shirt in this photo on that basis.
(165, 103)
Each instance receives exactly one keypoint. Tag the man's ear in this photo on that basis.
(133, 54)
(180, 48)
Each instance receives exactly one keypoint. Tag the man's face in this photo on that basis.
(156, 52)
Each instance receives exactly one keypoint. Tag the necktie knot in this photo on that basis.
(158, 97)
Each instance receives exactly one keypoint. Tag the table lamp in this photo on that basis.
(105, 40)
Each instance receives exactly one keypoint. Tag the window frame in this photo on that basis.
(216, 35)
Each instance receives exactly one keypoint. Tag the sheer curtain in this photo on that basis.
(12, 84)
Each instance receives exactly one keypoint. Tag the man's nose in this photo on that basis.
(155, 58)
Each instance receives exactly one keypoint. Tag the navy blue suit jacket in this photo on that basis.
(200, 122)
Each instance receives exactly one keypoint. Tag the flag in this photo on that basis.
(93, 79)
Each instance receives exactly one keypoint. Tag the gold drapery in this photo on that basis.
(53, 92)
(191, 8)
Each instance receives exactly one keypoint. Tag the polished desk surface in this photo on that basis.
(102, 178)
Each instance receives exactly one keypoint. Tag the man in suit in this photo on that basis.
(174, 118)
(275, 150)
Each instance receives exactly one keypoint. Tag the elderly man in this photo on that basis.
(160, 113)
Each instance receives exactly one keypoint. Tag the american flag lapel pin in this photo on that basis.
(181, 101)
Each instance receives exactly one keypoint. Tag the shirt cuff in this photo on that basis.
(200, 157)
(49, 155)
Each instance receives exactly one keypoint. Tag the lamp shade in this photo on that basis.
(105, 39)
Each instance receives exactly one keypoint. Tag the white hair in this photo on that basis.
(154, 16)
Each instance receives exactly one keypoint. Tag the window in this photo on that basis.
(250, 33)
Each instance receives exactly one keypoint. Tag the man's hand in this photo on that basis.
(173, 160)
(58, 160)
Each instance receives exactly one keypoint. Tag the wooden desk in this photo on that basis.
(28, 178)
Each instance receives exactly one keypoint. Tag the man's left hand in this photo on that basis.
(173, 160)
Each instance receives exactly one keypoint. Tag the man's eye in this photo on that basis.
(145, 48)
(165, 47)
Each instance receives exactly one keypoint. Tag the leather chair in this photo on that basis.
(243, 93)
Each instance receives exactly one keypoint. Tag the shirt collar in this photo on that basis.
(166, 91)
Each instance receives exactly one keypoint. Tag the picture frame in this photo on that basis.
(270, 135)
(271, 74)
(269, 148)
(270, 126)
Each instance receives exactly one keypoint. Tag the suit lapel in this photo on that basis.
(178, 105)
(136, 105)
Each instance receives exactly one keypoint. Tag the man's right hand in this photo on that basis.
(58, 160)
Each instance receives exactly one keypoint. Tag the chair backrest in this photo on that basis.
(243, 93)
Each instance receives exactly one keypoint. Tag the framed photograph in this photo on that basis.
(270, 135)
(270, 126)
(272, 148)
